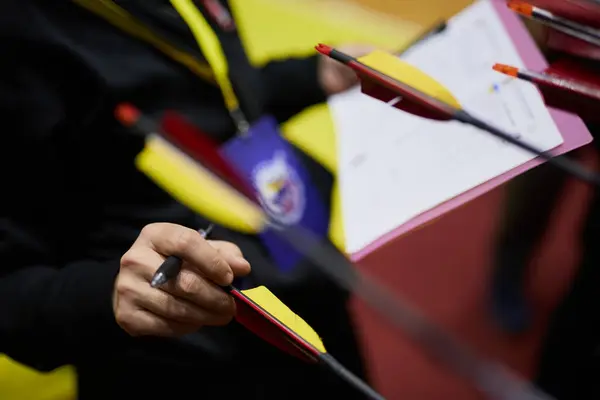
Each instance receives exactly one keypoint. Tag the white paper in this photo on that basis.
(394, 166)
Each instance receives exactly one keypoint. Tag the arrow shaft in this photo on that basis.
(489, 377)
(563, 163)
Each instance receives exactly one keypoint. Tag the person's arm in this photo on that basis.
(292, 85)
(52, 314)
(47, 310)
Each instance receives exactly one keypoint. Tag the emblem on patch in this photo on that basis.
(280, 190)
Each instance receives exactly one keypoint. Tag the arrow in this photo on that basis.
(258, 309)
(489, 377)
(382, 77)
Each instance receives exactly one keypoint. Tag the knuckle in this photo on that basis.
(129, 259)
(124, 289)
(186, 241)
(217, 264)
(189, 284)
(150, 230)
(126, 322)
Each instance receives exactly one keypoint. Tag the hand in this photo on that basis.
(334, 76)
(184, 304)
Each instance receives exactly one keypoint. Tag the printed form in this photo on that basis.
(394, 166)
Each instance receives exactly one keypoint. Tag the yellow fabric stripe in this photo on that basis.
(120, 18)
(211, 48)
(210, 204)
(197, 188)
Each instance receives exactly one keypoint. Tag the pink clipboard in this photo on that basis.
(574, 132)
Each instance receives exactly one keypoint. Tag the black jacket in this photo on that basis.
(73, 202)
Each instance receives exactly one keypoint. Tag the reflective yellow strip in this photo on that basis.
(120, 18)
(166, 166)
(211, 48)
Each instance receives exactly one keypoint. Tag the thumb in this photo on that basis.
(233, 255)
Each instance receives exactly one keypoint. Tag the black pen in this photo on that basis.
(170, 268)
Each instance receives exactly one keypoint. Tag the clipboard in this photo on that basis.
(572, 129)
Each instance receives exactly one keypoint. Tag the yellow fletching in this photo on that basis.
(197, 188)
(393, 67)
(271, 304)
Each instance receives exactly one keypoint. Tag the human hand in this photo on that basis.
(336, 77)
(187, 303)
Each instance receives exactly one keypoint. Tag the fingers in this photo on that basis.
(141, 264)
(193, 299)
(193, 288)
(171, 239)
(143, 310)
(226, 247)
(216, 309)
(142, 261)
(130, 314)
(233, 255)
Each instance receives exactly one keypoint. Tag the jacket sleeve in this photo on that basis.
(292, 85)
(47, 310)
(52, 314)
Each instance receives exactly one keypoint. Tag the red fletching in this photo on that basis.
(203, 149)
(377, 91)
(268, 328)
(195, 143)
(385, 88)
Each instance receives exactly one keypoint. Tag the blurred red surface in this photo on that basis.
(444, 269)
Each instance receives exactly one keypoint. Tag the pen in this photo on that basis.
(172, 265)
(580, 31)
(170, 268)
(489, 378)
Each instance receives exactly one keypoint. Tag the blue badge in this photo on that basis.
(283, 185)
